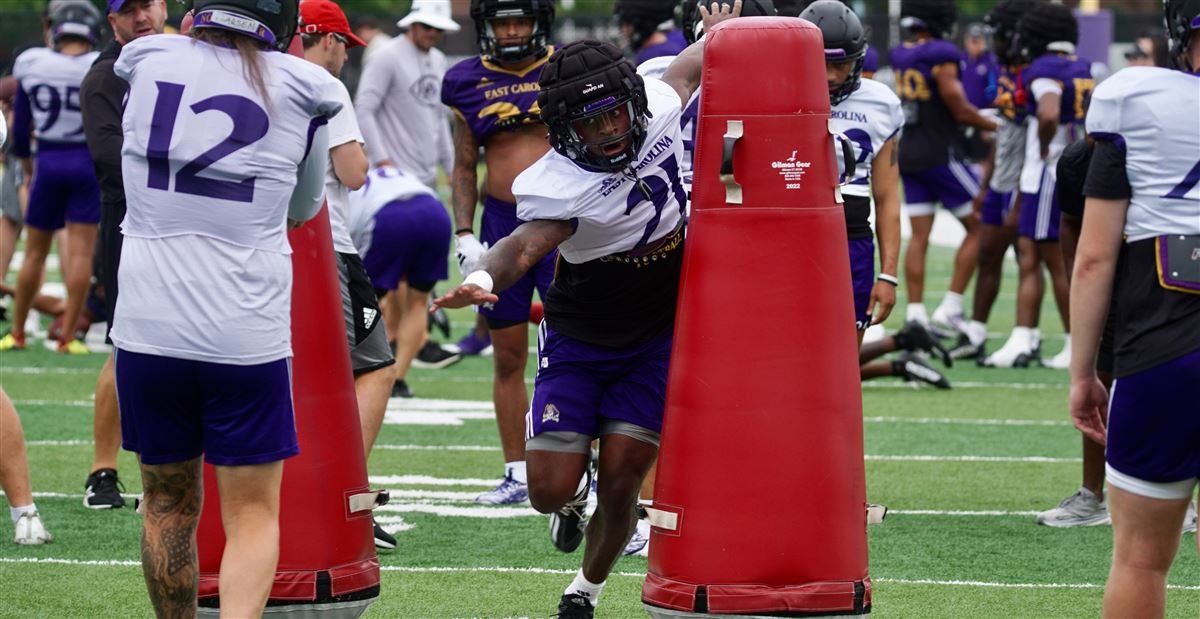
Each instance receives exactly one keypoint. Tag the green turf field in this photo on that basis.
(962, 471)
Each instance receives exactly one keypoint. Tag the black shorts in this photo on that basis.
(106, 260)
(369, 348)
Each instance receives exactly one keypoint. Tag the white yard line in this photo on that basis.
(967, 421)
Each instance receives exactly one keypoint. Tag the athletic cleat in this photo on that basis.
(1082, 509)
(12, 341)
(568, 523)
(1062, 360)
(638, 544)
(400, 389)
(434, 357)
(73, 347)
(964, 349)
(102, 490)
(1189, 520)
(575, 606)
(913, 369)
(1014, 354)
(509, 492)
(383, 539)
(472, 345)
(915, 337)
(944, 324)
(439, 319)
(30, 531)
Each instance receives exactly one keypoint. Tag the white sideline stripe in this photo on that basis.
(969, 422)
(82, 403)
(1038, 459)
(40, 370)
(942, 512)
(562, 572)
(454, 510)
(426, 480)
(437, 447)
(71, 443)
(891, 384)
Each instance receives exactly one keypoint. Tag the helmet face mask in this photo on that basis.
(845, 43)
(586, 133)
(486, 12)
(273, 22)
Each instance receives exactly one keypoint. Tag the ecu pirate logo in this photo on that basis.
(550, 413)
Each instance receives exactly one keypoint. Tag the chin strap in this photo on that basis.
(630, 174)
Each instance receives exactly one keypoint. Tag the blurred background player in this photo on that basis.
(14, 477)
(102, 100)
(402, 232)
(980, 66)
(12, 188)
(203, 323)
(405, 125)
(1142, 216)
(64, 191)
(1001, 176)
(502, 118)
(326, 37)
(931, 160)
(370, 30)
(647, 26)
(1057, 88)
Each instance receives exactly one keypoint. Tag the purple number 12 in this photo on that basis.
(250, 124)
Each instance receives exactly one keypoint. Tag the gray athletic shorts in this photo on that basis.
(369, 349)
(1010, 156)
(10, 206)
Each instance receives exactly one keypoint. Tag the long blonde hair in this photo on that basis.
(247, 48)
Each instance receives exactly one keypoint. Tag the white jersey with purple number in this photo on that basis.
(656, 67)
(209, 166)
(869, 117)
(1161, 160)
(51, 82)
(384, 186)
(613, 213)
(343, 128)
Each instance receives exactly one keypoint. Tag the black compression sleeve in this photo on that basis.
(1106, 177)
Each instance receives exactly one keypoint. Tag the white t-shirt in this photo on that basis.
(51, 80)
(611, 213)
(869, 117)
(209, 167)
(384, 186)
(1034, 167)
(343, 128)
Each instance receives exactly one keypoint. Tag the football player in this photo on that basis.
(640, 22)
(1142, 218)
(610, 199)
(495, 101)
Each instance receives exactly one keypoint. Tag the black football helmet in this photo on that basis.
(1183, 16)
(273, 22)
(1002, 23)
(645, 16)
(845, 41)
(693, 26)
(1046, 28)
(583, 80)
(73, 18)
(542, 12)
(937, 17)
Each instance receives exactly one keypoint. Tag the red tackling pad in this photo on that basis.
(761, 465)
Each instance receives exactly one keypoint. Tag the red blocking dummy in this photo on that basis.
(326, 550)
(760, 499)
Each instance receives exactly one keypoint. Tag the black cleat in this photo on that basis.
(575, 606)
(434, 357)
(439, 319)
(102, 490)
(912, 369)
(400, 389)
(964, 349)
(915, 337)
(383, 539)
(567, 525)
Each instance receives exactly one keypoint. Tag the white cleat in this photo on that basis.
(944, 324)
(1014, 354)
(1189, 520)
(1082, 509)
(1062, 360)
(30, 531)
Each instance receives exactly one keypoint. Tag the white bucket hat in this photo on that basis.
(434, 13)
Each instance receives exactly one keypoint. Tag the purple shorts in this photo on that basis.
(177, 409)
(1153, 423)
(64, 187)
(996, 206)
(411, 241)
(862, 276)
(1039, 212)
(953, 185)
(499, 220)
(579, 386)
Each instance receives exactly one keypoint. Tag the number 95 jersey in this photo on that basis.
(204, 153)
(51, 82)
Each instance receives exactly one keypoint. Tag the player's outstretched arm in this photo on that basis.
(684, 73)
(505, 263)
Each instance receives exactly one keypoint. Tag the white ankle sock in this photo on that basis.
(976, 332)
(15, 512)
(916, 312)
(1022, 336)
(953, 303)
(582, 586)
(516, 470)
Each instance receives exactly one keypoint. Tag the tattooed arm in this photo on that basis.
(464, 182)
(509, 259)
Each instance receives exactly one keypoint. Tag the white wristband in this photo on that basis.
(891, 279)
(479, 278)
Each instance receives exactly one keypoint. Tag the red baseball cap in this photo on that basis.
(325, 17)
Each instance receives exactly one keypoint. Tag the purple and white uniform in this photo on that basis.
(1010, 148)
(931, 154)
(1153, 420)
(492, 99)
(64, 186)
(869, 117)
(1071, 79)
(202, 325)
(400, 229)
(606, 340)
(655, 68)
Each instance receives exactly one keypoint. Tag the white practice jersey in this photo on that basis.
(611, 212)
(209, 168)
(1034, 167)
(1010, 154)
(384, 186)
(869, 117)
(1155, 114)
(51, 81)
(656, 67)
(343, 128)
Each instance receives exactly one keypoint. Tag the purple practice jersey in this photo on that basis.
(1075, 77)
(931, 135)
(871, 61)
(1010, 95)
(978, 75)
(491, 98)
(671, 47)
